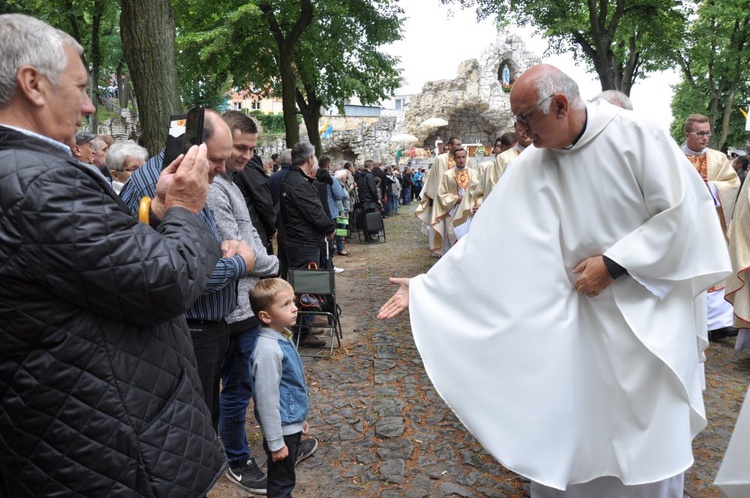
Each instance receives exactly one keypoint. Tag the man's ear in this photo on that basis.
(32, 84)
(264, 317)
(560, 104)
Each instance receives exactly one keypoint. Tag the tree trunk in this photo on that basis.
(727, 112)
(286, 43)
(148, 43)
(287, 99)
(96, 60)
(310, 109)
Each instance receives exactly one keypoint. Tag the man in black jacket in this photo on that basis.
(253, 184)
(368, 191)
(306, 225)
(98, 385)
(378, 172)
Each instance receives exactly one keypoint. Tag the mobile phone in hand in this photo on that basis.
(185, 130)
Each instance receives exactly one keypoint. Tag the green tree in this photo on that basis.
(90, 22)
(713, 61)
(312, 55)
(339, 58)
(621, 40)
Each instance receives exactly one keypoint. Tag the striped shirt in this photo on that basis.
(219, 297)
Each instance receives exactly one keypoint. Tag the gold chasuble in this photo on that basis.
(713, 166)
(455, 200)
(426, 212)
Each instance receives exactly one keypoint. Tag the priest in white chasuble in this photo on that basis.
(456, 202)
(567, 329)
(427, 211)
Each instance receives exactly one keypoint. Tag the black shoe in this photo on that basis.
(248, 476)
(732, 332)
(312, 342)
(717, 334)
(306, 449)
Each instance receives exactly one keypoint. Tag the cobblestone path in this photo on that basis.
(385, 432)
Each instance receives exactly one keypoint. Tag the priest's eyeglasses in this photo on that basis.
(525, 117)
(700, 133)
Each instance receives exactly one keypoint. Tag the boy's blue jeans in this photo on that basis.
(235, 395)
(393, 204)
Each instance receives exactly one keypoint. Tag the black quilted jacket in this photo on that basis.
(98, 388)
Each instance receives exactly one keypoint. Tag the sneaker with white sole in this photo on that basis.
(248, 476)
(337, 269)
(306, 449)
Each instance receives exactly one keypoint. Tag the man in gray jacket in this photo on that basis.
(233, 223)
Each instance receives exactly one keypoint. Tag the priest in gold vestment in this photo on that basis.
(723, 182)
(426, 211)
(456, 203)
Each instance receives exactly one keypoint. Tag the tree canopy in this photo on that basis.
(313, 55)
(714, 61)
(621, 40)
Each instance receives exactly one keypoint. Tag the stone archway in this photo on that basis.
(471, 124)
(507, 73)
(476, 103)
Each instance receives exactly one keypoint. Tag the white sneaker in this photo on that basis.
(337, 269)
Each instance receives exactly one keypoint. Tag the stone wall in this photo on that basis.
(474, 103)
(359, 139)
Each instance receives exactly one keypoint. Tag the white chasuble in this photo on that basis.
(734, 474)
(559, 387)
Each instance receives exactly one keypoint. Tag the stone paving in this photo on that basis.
(385, 432)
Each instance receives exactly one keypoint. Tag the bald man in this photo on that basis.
(567, 329)
(206, 318)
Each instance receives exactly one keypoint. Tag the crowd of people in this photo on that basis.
(145, 304)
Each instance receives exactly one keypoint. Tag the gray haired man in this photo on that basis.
(99, 392)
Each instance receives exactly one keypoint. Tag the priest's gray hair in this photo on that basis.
(26, 41)
(301, 151)
(614, 97)
(555, 81)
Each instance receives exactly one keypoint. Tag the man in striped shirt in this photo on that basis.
(206, 318)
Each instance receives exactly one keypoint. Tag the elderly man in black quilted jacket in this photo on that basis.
(99, 394)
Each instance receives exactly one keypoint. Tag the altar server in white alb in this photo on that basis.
(567, 329)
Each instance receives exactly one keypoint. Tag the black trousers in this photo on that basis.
(210, 343)
(281, 476)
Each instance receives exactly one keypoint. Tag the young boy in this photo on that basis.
(279, 385)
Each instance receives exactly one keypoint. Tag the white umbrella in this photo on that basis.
(404, 138)
(433, 123)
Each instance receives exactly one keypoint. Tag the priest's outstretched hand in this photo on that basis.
(398, 302)
(594, 276)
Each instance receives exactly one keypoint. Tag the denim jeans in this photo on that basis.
(340, 243)
(235, 395)
(393, 201)
(406, 195)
